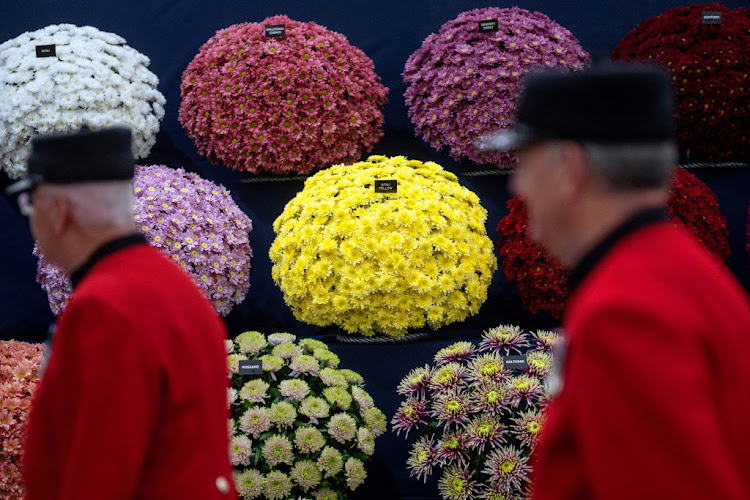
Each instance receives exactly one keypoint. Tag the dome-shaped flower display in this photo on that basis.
(192, 220)
(464, 83)
(304, 100)
(710, 67)
(57, 78)
(374, 262)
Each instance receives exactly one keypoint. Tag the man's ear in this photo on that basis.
(575, 175)
(61, 216)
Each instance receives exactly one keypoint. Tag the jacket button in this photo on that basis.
(222, 484)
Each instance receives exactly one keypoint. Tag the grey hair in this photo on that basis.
(98, 205)
(632, 165)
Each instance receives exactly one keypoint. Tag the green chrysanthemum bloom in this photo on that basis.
(333, 378)
(325, 494)
(282, 414)
(249, 483)
(271, 363)
(330, 462)
(363, 399)
(281, 338)
(342, 428)
(251, 343)
(309, 345)
(366, 440)
(309, 440)
(294, 389)
(277, 450)
(355, 473)
(286, 350)
(352, 377)
(306, 474)
(327, 357)
(254, 391)
(233, 362)
(277, 485)
(375, 421)
(338, 396)
(314, 408)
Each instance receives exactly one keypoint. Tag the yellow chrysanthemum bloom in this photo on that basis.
(383, 262)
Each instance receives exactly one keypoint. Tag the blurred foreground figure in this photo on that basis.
(133, 402)
(656, 381)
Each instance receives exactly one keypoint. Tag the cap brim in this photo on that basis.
(507, 140)
(22, 185)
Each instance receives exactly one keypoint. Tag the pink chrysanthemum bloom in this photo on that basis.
(278, 450)
(277, 485)
(457, 484)
(375, 421)
(410, 415)
(195, 222)
(306, 474)
(294, 389)
(309, 439)
(528, 426)
(281, 338)
(255, 421)
(240, 450)
(546, 338)
(304, 365)
(250, 343)
(303, 101)
(453, 447)
(254, 391)
(503, 340)
(282, 414)
(249, 483)
(524, 389)
(342, 427)
(363, 399)
(487, 368)
(540, 363)
(452, 408)
(463, 84)
(338, 396)
(507, 466)
(485, 430)
(286, 350)
(355, 473)
(455, 353)
(416, 382)
(330, 461)
(423, 457)
(314, 408)
(332, 378)
(448, 377)
(491, 398)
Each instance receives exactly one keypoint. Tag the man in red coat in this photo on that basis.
(655, 391)
(133, 401)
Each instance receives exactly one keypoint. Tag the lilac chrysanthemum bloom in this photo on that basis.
(546, 338)
(497, 491)
(366, 440)
(304, 365)
(281, 338)
(309, 439)
(507, 466)
(452, 407)
(338, 397)
(457, 484)
(455, 353)
(453, 447)
(503, 340)
(355, 473)
(410, 415)
(540, 363)
(306, 474)
(524, 388)
(485, 430)
(342, 427)
(415, 383)
(332, 378)
(423, 457)
(375, 421)
(254, 391)
(240, 450)
(271, 363)
(251, 343)
(326, 494)
(330, 462)
(487, 368)
(278, 450)
(282, 414)
(294, 389)
(490, 398)
(327, 357)
(448, 377)
(309, 345)
(249, 483)
(286, 350)
(255, 421)
(528, 426)
(314, 408)
(352, 377)
(363, 399)
(277, 485)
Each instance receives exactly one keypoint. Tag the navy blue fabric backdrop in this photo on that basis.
(170, 32)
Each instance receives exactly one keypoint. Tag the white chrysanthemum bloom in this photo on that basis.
(93, 78)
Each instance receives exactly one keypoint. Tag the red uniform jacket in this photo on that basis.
(133, 403)
(655, 400)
